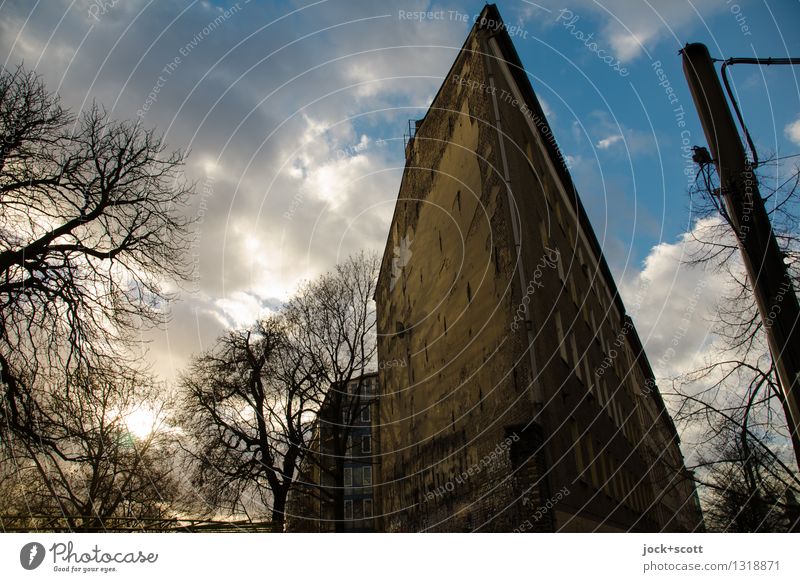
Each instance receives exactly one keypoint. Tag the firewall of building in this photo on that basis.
(527, 402)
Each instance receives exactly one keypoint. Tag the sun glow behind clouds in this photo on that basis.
(143, 421)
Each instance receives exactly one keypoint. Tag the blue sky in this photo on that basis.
(282, 105)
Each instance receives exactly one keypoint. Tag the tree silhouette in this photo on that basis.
(92, 227)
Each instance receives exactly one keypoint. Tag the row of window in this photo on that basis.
(355, 510)
(366, 444)
(616, 358)
(595, 383)
(605, 473)
(368, 386)
(569, 282)
(365, 415)
(567, 227)
(363, 476)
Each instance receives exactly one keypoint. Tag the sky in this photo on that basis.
(294, 115)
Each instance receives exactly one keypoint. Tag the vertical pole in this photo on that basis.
(774, 292)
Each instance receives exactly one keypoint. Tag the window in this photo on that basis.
(576, 362)
(345, 416)
(603, 473)
(560, 265)
(543, 233)
(365, 414)
(349, 450)
(627, 488)
(576, 445)
(348, 509)
(348, 477)
(367, 508)
(367, 476)
(590, 458)
(584, 266)
(616, 412)
(559, 216)
(366, 444)
(562, 342)
(572, 292)
(590, 380)
(603, 390)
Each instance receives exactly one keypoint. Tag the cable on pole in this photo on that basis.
(749, 61)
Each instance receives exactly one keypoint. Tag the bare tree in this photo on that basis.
(111, 468)
(748, 487)
(92, 226)
(332, 322)
(734, 404)
(252, 403)
(249, 405)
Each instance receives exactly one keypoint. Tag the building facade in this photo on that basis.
(525, 401)
(335, 492)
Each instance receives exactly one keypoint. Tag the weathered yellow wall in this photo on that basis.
(455, 452)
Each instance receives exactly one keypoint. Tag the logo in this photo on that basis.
(31, 555)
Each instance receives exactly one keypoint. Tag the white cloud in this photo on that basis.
(630, 28)
(633, 27)
(572, 161)
(240, 309)
(547, 110)
(673, 304)
(635, 141)
(792, 131)
(607, 142)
